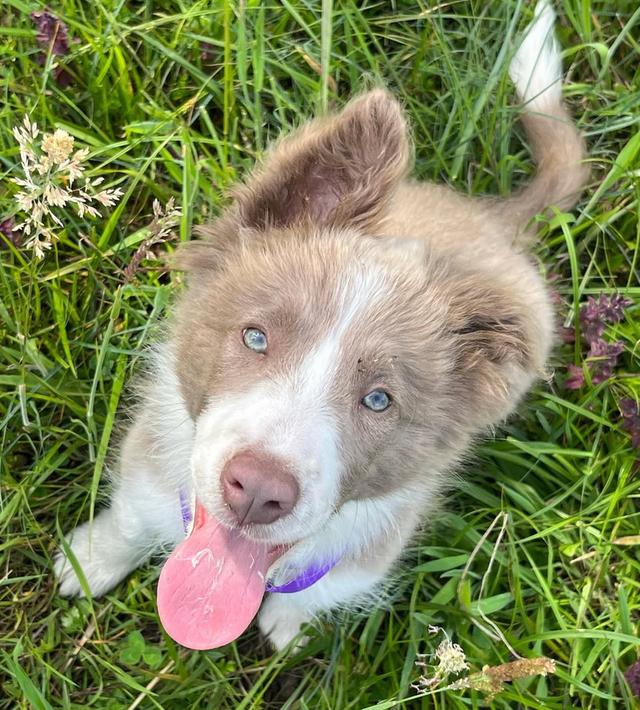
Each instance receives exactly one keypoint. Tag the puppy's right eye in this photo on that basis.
(255, 340)
(377, 401)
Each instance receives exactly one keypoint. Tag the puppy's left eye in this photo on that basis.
(255, 340)
(377, 400)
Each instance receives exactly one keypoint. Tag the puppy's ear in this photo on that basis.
(335, 171)
(497, 352)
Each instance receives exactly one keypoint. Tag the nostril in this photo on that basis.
(258, 489)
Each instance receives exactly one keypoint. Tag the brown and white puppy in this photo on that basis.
(345, 335)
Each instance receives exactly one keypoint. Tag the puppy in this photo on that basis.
(345, 334)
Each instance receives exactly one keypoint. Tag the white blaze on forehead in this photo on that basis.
(312, 429)
(360, 290)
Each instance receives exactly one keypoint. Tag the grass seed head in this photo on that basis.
(48, 173)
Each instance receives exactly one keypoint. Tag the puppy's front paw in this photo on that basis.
(281, 622)
(100, 566)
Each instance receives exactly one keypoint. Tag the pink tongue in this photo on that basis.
(212, 585)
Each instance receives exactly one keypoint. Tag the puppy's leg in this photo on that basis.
(143, 516)
(350, 583)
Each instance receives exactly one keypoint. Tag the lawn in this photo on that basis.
(537, 549)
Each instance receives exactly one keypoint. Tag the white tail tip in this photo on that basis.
(536, 69)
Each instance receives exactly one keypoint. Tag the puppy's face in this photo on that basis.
(321, 360)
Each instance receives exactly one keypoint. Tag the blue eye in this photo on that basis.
(376, 401)
(255, 340)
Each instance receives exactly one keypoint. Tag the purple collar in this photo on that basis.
(185, 511)
(306, 578)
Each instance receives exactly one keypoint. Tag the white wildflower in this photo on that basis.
(451, 661)
(451, 658)
(27, 133)
(38, 211)
(24, 200)
(108, 198)
(163, 222)
(74, 166)
(40, 243)
(57, 146)
(83, 207)
(56, 196)
(49, 171)
(164, 219)
(28, 182)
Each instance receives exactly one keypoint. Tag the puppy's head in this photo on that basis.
(322, 359)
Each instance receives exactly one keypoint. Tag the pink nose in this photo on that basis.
(258, 489)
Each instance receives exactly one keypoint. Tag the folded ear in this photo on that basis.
(499, 350)
(339, 170)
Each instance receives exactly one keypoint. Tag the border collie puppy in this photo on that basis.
(345, 334)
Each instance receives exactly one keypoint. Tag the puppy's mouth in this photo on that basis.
(212, 585)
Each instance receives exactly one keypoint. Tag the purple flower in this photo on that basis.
(53, 34)
(567, 335)
(613, 307)
(576, 378)
(630, 413)
(595, 314)
(8, 228)
(603, 357)
(592, 329)
(53, 37)
(632, 675)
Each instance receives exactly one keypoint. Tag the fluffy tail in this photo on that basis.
(558, 148)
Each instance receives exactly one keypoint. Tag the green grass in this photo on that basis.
(161, 120)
